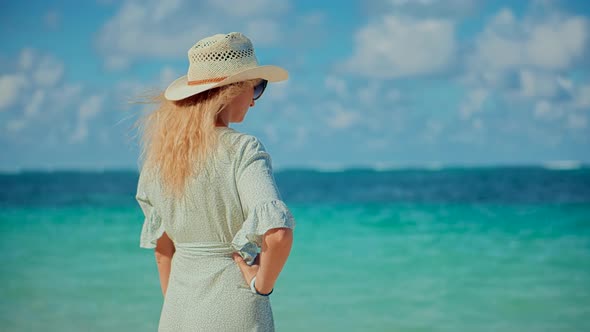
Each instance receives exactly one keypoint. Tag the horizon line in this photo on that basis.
(550, 165)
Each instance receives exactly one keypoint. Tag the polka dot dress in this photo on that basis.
(225, 209)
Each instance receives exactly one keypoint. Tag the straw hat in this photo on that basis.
(221, 60)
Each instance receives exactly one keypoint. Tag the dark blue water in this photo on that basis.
(478, 185)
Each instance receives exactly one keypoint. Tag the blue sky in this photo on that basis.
(383, 83)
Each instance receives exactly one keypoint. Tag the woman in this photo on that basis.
(213, 213)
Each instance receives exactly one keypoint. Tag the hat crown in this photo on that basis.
(220, 56)
(220, 60)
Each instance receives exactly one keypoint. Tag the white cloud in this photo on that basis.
(565, 84)
(301, 136)
(550, 43)
(370, 94)
(336, 85)
(294, 136)
(33, 76)
(393, 95)
(271, 132)
(525, 63)
(557, 43)
(48, 72)
(545, 110)
(140, 30)
(582, 97)
(397, 46)
(538, 84)
(91, 107)
(163, 9)
(277, 91)
(88, 110)
(468, 136)
(126, 91)
(338, 117)
(146, 29)
(35, 88)
(167, 76)
(15, 125)
(477, 124)
(577, 121)
(474, 102)
(250, 8)
(416, 2)
(33, 105)
(116, 62)
(440, 5)
(426, 8)
(80, 134)
(342, 120)
(263, 31)
(10, 87)
(433, 129)
(64, 95)
(546, 138)
(31, 111)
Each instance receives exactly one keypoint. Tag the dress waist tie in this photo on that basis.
(205, 248)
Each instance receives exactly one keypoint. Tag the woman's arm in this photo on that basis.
(276, 246)
(164, 251)
(267, 214)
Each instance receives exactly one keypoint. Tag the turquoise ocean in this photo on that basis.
(451, 249)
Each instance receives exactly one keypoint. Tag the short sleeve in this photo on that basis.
(262, 205)
(153, 227)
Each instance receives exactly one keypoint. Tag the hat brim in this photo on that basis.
(180, 89)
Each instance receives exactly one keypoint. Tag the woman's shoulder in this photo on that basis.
(244, 142)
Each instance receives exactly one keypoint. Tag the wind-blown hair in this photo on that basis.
(178, 137)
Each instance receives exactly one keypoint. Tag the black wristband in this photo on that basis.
(254, 290)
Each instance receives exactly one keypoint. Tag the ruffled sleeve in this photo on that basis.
(152, 228)
(262, 205)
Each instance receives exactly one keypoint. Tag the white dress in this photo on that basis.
(227, 208)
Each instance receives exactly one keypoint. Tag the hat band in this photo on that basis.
(208, 80)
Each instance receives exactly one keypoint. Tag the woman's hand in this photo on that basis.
(276, 245)
(248, 271)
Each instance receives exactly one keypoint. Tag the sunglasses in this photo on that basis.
(259, 89)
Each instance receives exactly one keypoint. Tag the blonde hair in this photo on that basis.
(178, 137)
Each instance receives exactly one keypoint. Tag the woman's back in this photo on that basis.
(227, 207)
(209, 210)
(235, 184)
